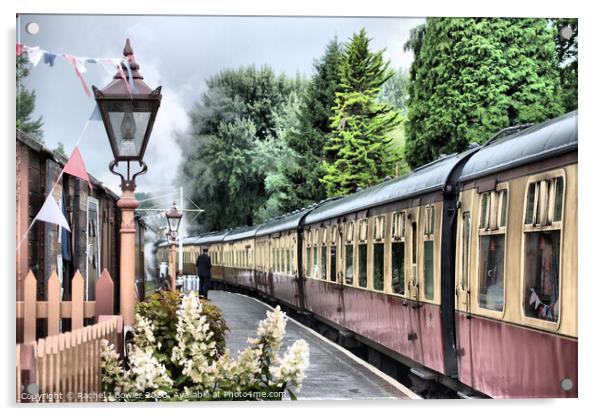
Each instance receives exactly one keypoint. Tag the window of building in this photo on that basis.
(397, 264)
(542, 233)
(378, 271)
(492, 243)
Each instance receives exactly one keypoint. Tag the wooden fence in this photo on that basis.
(54, 309)
(65, 367)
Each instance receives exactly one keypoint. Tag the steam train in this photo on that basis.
(465, 269)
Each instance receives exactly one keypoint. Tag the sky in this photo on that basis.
(179, 53)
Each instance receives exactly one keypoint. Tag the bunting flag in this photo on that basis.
(75, 166)
(51, 213)
(35, 54)
(78, 66)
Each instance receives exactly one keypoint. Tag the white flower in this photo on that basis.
(195, 350)
(291, 369)
(147, 374)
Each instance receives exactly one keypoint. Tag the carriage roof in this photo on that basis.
(542, 141)
(426, 179)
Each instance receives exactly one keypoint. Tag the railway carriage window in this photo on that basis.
(429, 279)
(363, 265)
(379, 266)
(484, 210)
(503, 195)
(349, 229)
(363, 230)
(398, 227)
(349, 264)
(542, 258)
(315, 261)
(273, 259)
(323, 249)
(542, 233)
(429, 223)
(465, 248)
(491, 271)
(397, 264)
(492, 243)
(414, 226)
(308, 260)
(558, 199)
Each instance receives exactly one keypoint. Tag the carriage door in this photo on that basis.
(413, 331)
(463, 321)
(413, 231)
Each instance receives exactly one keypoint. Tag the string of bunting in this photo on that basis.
(35, 55)
(50, 212)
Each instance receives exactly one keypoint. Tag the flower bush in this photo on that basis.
(196, 365)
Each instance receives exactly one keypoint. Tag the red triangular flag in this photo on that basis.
(75, 167)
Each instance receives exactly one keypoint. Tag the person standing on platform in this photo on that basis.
(203, 268)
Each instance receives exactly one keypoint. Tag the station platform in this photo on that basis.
(333, 374)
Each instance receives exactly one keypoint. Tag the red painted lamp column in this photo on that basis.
(174, 216)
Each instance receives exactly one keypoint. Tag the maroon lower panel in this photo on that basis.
(284, 288)
(323, 299)
(263, 282)
(217, 273)
(507, 361)
(241, 277)
(409, 328)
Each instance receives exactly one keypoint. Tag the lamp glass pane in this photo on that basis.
(173, 223)
(129, 122)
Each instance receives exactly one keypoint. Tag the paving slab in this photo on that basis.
(333, 374)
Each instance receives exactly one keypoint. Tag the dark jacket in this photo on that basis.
(203, 266)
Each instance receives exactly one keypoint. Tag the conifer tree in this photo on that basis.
(473, 76)
(309, 136)
(26, 103)
(362, 149)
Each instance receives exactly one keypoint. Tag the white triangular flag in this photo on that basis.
(50, 212)
(34, 54)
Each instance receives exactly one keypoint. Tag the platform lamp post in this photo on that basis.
(128, 109)
(173, 223)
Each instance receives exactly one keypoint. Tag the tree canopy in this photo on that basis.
(308, 136)
(361, 147)
(229, 150)
(472, 76)
(26, 101)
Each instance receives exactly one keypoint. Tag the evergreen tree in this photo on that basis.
(360, 142)
(472, 76)
(233, 126)
(566, 48)
(26, 101)
(395, 91)
(301, 184)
